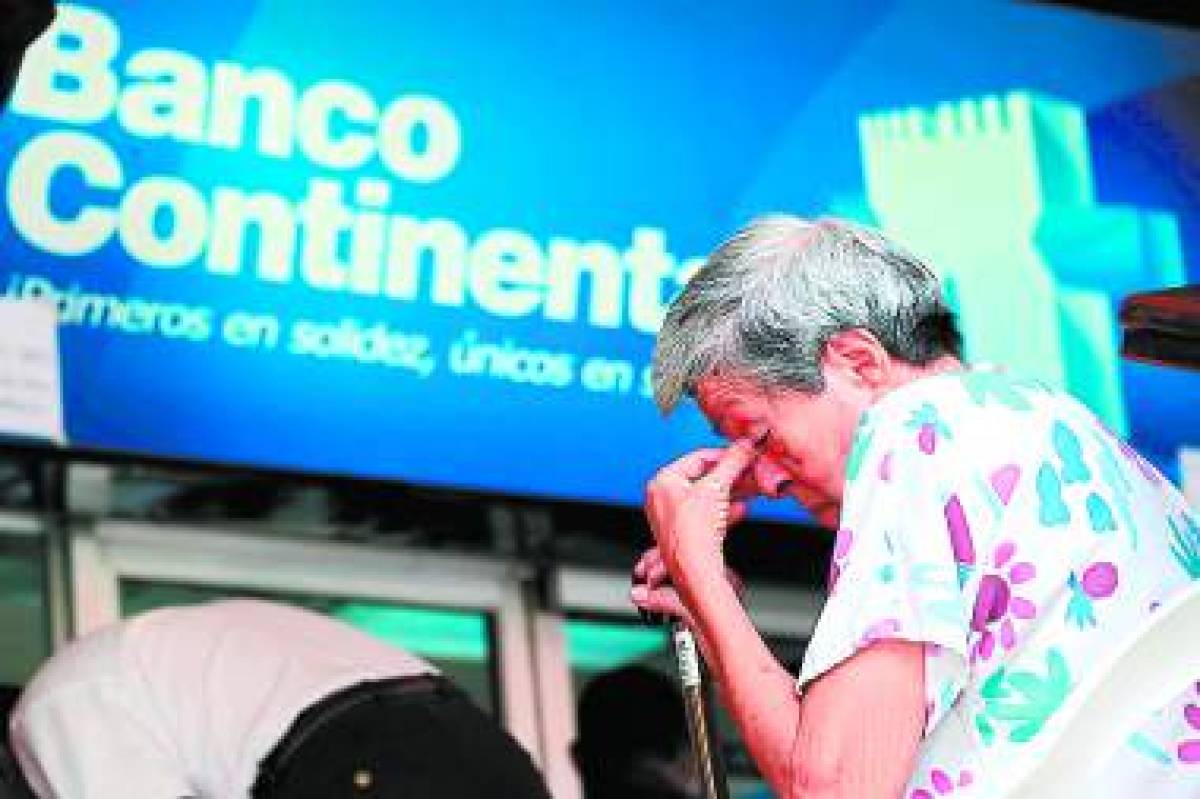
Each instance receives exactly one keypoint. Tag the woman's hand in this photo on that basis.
(690, 505)
(654, 593)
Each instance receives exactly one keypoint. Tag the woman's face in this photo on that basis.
(805, 437)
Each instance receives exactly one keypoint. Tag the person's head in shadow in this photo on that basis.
(632, 741)
(21, 21)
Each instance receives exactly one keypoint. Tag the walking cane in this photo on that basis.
(697, 707)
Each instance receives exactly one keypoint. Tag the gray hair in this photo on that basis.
(766, 302)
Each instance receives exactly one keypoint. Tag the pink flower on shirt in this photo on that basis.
(1099, 581)
(996, 607)
(962, 544)
(885, 467)
(882, 630)
(1189, 750)
(841, 549)
(928, 426)
(942, 784)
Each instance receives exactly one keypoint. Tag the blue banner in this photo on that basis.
(392, 240)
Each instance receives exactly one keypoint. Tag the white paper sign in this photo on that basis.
(30, 385)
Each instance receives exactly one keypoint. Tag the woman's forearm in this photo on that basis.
(757, 690)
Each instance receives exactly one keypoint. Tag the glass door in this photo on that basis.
(24, 605)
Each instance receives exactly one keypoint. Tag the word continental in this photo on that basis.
(340, 236)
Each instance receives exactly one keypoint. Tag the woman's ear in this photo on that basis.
(857, 356)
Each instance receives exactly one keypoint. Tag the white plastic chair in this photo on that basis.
(1153, 666)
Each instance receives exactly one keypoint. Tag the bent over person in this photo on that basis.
(994, 540)
(248, 698)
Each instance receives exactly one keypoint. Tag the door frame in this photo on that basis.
(111, 551)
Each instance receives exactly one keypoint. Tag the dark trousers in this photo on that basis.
(408, 738)
(12, 782)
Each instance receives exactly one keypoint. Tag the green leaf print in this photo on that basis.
(983, 385)
(858, 449)
(1185, 544)
(928, 426)
(993, 686)
(1080, 610)
(1023, 701)
(1142, 744)
(1119, 487)
(1070, 454)
(1052, 510)
(986, 731)
(1100, 515)
(1027, 683)
(1025, 733)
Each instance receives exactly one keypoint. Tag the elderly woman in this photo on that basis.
(994, 539)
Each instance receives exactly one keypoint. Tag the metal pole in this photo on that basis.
(49, 475)
(697, 704)
(697, 707)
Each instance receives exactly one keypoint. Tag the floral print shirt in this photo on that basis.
(997, 522)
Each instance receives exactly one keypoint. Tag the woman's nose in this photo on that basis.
(772, 480)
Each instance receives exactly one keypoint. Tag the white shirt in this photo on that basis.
(186, 701)
(997, 522)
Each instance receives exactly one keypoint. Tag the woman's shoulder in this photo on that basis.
(980, 402)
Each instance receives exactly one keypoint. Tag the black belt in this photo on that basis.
(318, 715)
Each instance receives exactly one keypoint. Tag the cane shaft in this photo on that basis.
(706, 745)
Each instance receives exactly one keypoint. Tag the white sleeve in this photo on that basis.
(895, 574)
(85, 742)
